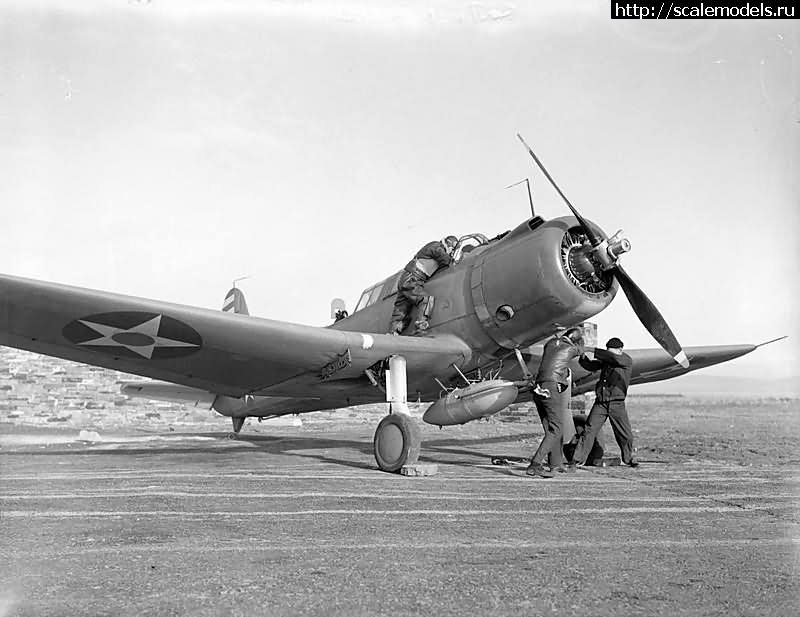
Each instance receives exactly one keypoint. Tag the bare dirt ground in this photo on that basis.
(295, 520)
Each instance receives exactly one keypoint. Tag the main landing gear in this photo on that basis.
(238, 423)
(396, 442)
(397, 438)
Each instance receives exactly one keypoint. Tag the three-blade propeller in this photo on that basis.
(645, 310)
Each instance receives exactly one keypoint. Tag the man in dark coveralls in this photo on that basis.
(612, 388)
(550, 397)
(410, 292)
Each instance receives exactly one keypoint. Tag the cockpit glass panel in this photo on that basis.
(469, 243)
(362, 302)
(376, 293)
(370, 296)
(390, 285)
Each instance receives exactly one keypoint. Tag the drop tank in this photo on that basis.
(475, 401)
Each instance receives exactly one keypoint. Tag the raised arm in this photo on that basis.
(608, 357)
(590, 365)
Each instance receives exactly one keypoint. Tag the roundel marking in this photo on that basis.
(134, 334)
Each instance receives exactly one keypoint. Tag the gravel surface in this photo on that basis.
(297, 521)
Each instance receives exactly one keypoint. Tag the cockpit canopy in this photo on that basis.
(467, 244)
(388, 287)
(378, 291)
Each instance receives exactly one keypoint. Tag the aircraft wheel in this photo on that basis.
(233, 435)
(396, 442)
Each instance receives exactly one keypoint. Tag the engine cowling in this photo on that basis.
(542, 276)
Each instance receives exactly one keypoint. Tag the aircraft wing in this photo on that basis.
(218, 352)
(656, 364)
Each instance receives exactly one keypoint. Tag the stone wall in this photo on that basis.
(37, 389)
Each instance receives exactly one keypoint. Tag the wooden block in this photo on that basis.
(420, 469)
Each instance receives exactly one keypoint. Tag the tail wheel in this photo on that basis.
(396, 442)
(238, 423)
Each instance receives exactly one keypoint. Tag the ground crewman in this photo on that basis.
(550, 396)
(410, 287)
(612, 388)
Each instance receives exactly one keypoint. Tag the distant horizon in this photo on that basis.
(700, 382)
(700, 375)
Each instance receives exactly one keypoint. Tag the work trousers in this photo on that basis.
(551, 411)
(410, 293)
(615, 411)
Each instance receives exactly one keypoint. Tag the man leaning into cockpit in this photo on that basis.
(410, 287)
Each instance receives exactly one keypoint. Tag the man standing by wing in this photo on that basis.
(612, 388)
(551, 397)
(410, 292)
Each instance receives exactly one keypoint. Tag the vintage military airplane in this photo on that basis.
(502, 297)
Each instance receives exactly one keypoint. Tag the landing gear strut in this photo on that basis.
(238, 423)
(397, 438)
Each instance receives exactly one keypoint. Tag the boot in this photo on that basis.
(537, 469)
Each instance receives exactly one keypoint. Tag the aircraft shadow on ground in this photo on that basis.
(322, 449)
(481, 451)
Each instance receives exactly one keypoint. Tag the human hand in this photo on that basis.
(541, 392)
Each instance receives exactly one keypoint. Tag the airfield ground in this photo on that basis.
(297, 521)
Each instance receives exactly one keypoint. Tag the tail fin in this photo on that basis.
(338, 310)
(235, 302)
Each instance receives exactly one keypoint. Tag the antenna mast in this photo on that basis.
(241, 278)
(530, 197)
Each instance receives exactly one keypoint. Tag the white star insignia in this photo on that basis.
(141, 339)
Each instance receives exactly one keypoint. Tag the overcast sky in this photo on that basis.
(162, 149)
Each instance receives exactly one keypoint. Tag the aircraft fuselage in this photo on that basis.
(510, 293)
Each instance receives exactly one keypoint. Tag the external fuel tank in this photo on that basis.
(475, 401)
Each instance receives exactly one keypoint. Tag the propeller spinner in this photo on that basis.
(607, 252)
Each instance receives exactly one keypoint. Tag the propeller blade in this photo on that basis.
(589, 233)
(645, 310)
(648, 314)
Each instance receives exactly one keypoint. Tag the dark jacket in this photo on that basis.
(615, 374)
(433, 256)
(558, 352)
